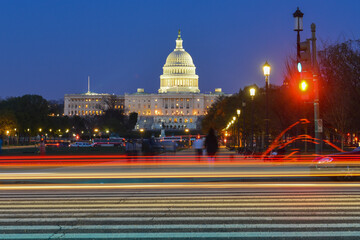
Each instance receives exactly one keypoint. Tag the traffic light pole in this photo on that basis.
(318, 129)
(298, 58)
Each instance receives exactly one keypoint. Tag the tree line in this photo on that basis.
(32, 115)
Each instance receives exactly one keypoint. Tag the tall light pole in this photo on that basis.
(238, 111)
(298, 16)
(298, 27)
(188, 132)
(252, 95)
(234, 133)
(266, 69)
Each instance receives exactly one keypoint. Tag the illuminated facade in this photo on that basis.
(90, 104)
(177, 105)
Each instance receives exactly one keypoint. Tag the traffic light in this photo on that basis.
(305, 86)
(305, 56)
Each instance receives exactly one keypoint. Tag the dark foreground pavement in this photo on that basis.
(196, 213)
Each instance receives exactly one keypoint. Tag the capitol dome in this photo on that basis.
(179, 57)
(179, 72)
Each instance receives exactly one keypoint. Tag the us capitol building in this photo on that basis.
(177, 105)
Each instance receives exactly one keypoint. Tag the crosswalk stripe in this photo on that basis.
(344, 199)
(191, 218)
(178, 204)
(174, 208)
(173, 235)
(182, 226)
(157, 214)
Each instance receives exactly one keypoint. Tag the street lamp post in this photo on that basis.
(298, 27)
(252, 95)
(238, 111)
(298, 16)
(188, 132)
(266, 69)
(234, 136)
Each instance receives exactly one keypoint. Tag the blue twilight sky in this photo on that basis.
(50, 47)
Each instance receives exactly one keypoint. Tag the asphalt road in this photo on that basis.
(202, 213)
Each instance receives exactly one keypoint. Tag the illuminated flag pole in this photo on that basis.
(88, 84)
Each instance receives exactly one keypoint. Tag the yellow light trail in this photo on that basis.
(221, 185)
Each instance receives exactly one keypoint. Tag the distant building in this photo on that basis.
(177, 105)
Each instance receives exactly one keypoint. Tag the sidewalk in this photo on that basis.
(18, 147)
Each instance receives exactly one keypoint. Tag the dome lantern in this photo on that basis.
(179, 41)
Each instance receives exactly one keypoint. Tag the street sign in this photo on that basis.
(319, 126)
